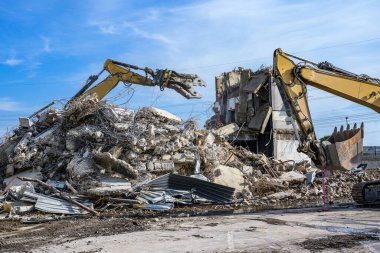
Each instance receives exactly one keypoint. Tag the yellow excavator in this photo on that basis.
(122, 72)
(344, 148)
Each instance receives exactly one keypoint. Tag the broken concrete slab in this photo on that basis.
(281, 195)
(109, 162)
(23, 143)
(229, 176)
(310, 176)
(9, 170)
(164, 115)
(17, 208)
(164, 166)
(25, 122)
(185, 157)
(110, 186)
(14, 181)
(255, 84)
(260, 120)
(227, 130)
(80, 167)
(46, 135)
(293, 177)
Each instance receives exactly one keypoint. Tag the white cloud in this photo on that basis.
(12, 61)
(124, 27)
(46, 44)
(7, 104)
(148, 35)
(108, 29)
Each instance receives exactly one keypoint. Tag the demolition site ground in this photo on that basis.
(343, 229)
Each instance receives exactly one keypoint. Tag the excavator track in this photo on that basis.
(367, 193)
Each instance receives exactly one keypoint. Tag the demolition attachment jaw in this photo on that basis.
(181, 83)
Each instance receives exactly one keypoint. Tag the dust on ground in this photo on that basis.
(19, 237)
(272, 221)
(336, 242)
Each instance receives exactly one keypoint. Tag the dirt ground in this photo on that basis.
(295, 230)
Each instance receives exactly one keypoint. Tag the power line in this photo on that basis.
(337, 123)
(340, 45)
(342, 118)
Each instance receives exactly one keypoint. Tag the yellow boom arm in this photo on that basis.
(292, 80)
(118, 71)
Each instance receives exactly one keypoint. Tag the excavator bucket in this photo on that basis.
(344, 148)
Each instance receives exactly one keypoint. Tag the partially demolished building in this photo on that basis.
(252, 101)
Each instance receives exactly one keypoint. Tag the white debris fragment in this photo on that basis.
(163, 114)
(293, 177)
(227, 129)
(229, 176)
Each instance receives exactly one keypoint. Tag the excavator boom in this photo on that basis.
(344, 148)
(122, 72)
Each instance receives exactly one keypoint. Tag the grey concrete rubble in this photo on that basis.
(111, 186)
(99, 151)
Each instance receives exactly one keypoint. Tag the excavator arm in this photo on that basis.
(122, 72)
(343, 149)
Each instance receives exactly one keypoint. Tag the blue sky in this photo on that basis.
(48, 49)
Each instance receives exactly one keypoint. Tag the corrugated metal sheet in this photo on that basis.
(54, 205)
(211, 191)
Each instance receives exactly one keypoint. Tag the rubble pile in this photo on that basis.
(91, 151)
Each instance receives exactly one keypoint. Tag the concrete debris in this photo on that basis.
(162, 115)
(111, 186)
(310, 176)
(56, 184)
(229, 176)
(14, 181)
(17, 208)
(148, 159)
(79, 168)
(281, 195)
(292, 177)
(18, 191)
(227, 130)
(111, 163)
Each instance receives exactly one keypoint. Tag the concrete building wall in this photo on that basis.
(284, 141)
(252, 100)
